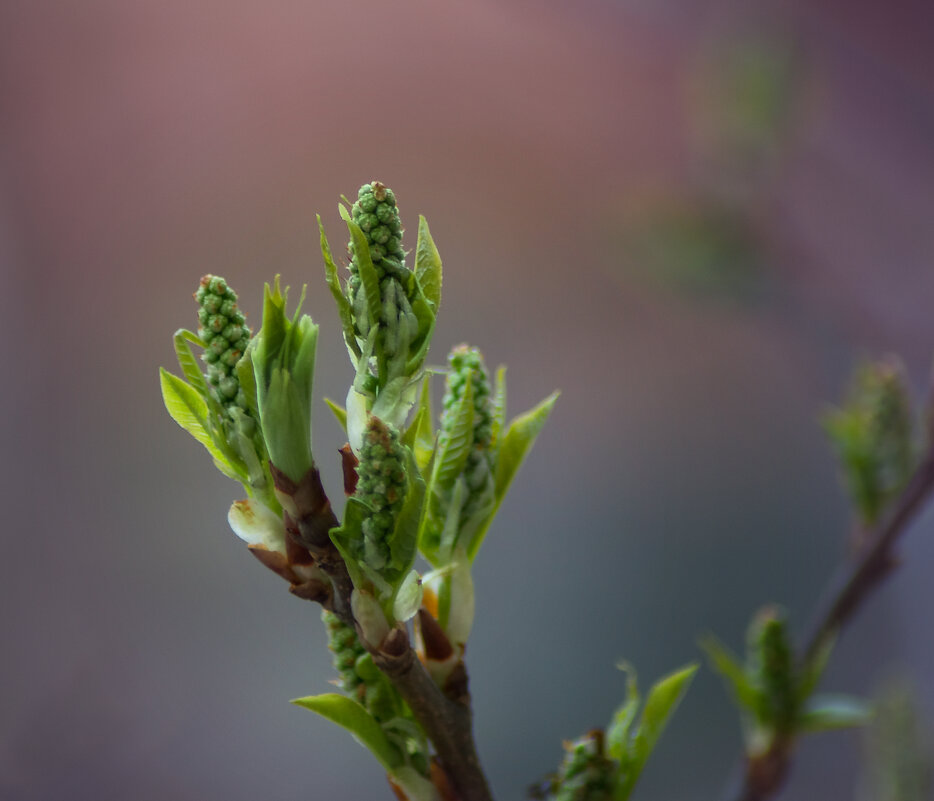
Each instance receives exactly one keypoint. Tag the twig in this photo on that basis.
(447, 722)
(845, 595)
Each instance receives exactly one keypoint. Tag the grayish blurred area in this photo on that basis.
(691, 217)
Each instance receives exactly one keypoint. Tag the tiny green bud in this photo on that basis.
(586, 774)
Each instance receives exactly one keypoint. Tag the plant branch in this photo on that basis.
(763, 775)
(447, 722)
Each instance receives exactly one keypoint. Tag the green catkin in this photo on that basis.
(586, 774)
(874, 433)
(772, 665)
(466, 364)
(381, 485)
(225, 335)
(376, 213)
(892, 425)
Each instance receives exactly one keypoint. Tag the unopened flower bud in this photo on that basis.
(226, 336)
(381, 485)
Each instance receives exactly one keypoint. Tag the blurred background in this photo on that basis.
(693, 218)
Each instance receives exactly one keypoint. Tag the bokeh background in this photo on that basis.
(691, 217)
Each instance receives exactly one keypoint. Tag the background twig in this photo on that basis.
(845, 595)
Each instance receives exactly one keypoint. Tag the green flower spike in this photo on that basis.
(874, 435)
(387, 310)
(771, 667)
(376, 213)
(381, 486)
(381, 289)
(467, 366)
(379, 535)
(219, 409)
(225, 335)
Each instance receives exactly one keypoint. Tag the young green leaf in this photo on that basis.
(403, 543)
(188, 409)
(349, 532)
(518, 442)
(813, 670)
(732, 672)
(617, 736)
(511, 451)
(660, 704)
(829, 712)
(369, 278)
(338, 411)
(247, 378)
(361, 724)
(428, 265)
(187, 361)
(334, 284)
(499, 404)
(454, 448)
(420, 438)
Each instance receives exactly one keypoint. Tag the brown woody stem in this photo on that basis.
(447, 723)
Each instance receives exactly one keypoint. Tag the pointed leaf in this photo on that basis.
(403, 543)
(731, 670)
(423, 441)
(188, 409)
(660, 704)
(518, 441)
(428, 265)
(510, 453)
(395, 401)
(187, 361)
(334, 284)
(617, 736)
(499, 404)
(813, 671)
(369, 278)
(247, 378)
(361, 724)
(828, 712)
(338, 411)
(349, 532)
(454, 447)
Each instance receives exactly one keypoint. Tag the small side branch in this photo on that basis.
(845, 596)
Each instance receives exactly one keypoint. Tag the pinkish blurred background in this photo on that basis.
(691, 217)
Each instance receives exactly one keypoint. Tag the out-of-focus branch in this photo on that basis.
(763, 776)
